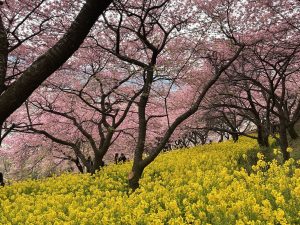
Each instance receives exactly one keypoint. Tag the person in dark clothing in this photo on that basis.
(1, 180)
(122, 158)
(116, 158)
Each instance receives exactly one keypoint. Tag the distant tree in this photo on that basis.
(233, 108)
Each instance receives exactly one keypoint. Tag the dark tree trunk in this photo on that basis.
(1, 179)
(79, 166)
(262, 137)
(292, 132)
(98, 162)
(135, 176)
(90, 169)
(137, 169)
(284, 141)
(203, 141)
(221, 137)
(266, 140)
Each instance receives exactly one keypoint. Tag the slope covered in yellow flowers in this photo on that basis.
(201, 185)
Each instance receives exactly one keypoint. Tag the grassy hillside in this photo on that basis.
(201, 185)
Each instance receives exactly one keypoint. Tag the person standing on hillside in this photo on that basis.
(116, 158)
(122, 158)
(1, 179)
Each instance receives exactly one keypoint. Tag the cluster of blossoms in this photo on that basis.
(201, 185)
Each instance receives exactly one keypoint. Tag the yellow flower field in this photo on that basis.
(201, 185)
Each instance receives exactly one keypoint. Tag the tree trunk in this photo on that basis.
(266, 140)
(203, 141)
(1, 179)
(292, 132)
(221, 137)
(135, 176)
(90, 169)
(98, 163)
(78, 165)
(262, 137)
(263, 141)
(284, 141)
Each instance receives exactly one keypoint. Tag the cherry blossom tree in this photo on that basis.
(148, 72)
(263, 86)
(21, 23)
(84, 110)
(279, 67)
(144, 35)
